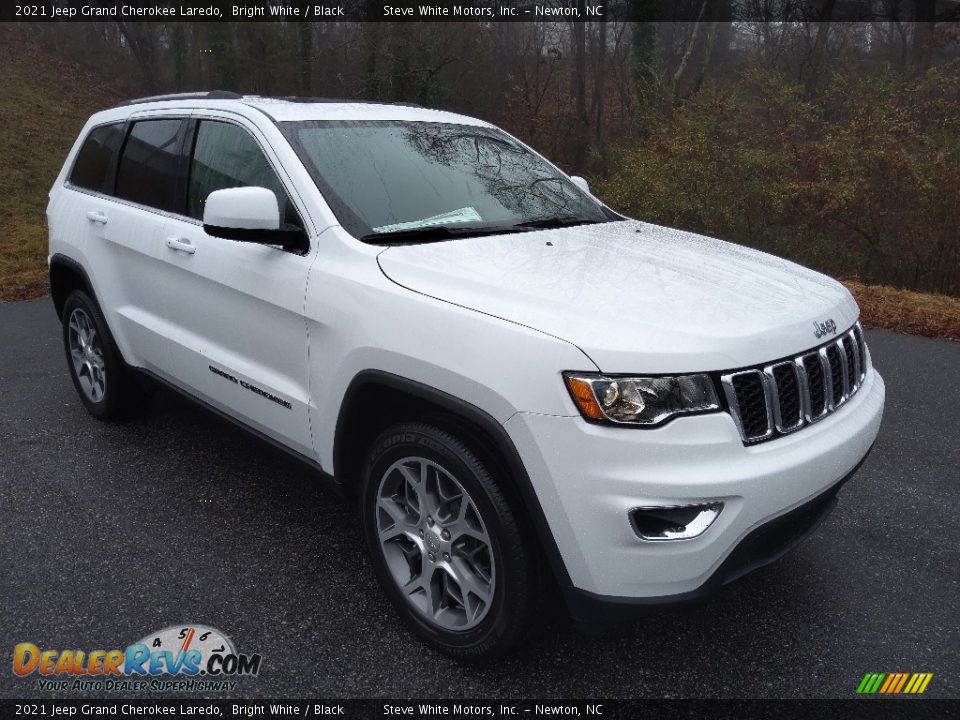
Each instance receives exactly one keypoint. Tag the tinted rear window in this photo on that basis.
(94, 162)
(147, 173)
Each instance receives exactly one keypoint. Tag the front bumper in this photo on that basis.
(762, 546)
(588, 478)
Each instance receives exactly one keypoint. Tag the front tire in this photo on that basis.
(102, 380)
(446, 544)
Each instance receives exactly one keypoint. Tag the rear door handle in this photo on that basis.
(97, 217)
(181, 245)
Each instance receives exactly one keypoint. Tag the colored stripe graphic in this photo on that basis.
(903, 680)
(891, 680)
(894, 683)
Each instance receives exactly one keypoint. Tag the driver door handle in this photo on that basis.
(97, 217)
(181, 245)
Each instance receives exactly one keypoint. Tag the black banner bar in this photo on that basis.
(468, 11)
(914, 709)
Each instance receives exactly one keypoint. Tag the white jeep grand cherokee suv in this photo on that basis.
(521, 388)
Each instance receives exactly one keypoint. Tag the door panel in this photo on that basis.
(128, 253)
(126, 223)
(241, 340)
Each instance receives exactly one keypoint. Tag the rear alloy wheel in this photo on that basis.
(446, 545)
(86, 353)
(106, 386)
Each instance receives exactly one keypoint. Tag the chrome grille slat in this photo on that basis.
(827, 379)
(749, 424)
(853, 355)
(782, 397)
(861, 350)
(803, 379)
(844, 376)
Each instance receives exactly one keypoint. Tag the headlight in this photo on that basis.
(640, 400)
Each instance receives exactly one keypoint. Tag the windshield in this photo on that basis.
(434, 180)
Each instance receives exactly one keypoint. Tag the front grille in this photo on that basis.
(782, 397)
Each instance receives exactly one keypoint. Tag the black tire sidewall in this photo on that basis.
(514, 560)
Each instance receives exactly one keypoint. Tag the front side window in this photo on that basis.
(147, 173)
(382, 178)
(227, 156)
(94, 164)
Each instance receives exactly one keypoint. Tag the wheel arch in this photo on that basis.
(376, 399)
(67, 275)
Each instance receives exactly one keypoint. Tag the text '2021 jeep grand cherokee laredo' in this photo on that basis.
(512, 380)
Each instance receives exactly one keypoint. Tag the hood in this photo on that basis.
(635, 297)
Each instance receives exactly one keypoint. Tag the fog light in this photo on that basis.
(674, 522)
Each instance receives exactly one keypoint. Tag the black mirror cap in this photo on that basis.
(289, 237)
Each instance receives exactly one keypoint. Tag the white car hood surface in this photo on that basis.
(634, 297)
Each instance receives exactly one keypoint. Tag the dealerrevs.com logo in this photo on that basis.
(199, 658)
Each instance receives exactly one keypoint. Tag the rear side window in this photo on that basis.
(147, 173)
(94, 163)
(227, 156)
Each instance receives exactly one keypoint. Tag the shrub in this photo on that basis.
(861, 181)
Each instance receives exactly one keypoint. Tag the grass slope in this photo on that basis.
(907, 311)
(44, 102)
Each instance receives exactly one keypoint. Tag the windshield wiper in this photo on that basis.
(437, 232)
(557, 221)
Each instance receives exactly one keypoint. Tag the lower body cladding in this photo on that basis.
(591, 479)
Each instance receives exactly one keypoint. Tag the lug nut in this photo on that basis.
(432, 557)
(421, 532)
(446, 556)
(445, 534)
(430, 521)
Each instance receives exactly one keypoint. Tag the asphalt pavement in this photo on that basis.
(110, 531)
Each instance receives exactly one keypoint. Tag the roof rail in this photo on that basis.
(299, 99)
(209, 95)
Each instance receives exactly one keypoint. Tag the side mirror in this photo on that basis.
(249, 214)
(581, 183)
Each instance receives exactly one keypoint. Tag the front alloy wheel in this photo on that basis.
(446, 543)
(435, 543)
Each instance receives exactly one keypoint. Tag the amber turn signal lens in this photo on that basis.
(583, 395)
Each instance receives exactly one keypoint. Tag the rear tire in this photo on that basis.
(106, 386)
(446, 543)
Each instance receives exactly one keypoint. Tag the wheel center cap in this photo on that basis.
(432, 541)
